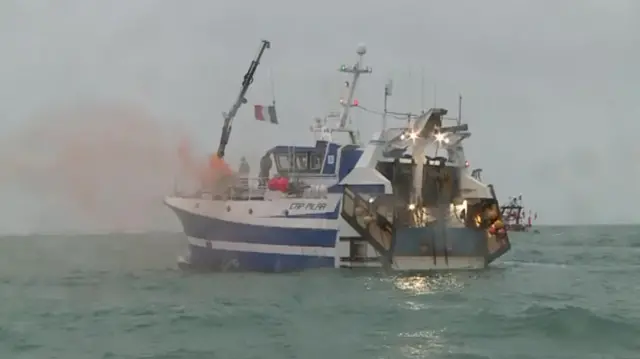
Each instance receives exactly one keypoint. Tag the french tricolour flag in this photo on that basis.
(266, 113)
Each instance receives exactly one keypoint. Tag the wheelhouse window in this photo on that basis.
(302, 162)
(283, 162)
(315, 164)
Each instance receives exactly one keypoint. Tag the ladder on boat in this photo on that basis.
(375, 226)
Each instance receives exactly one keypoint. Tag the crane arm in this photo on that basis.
(240, 100)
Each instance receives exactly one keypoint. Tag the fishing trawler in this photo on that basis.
(384, 204)
(514, 215)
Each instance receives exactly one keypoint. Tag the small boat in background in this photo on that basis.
(515, 216)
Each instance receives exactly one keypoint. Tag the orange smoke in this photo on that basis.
(208, 171)
(219, 166)
(112, 165)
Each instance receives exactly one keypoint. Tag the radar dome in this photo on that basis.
(362, 49)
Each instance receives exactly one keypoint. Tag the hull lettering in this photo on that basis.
(296, 206)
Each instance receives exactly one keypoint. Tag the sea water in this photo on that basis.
(564, 293)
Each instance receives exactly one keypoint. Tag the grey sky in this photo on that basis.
(549, 86)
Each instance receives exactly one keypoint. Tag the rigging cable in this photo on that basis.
(381, 113)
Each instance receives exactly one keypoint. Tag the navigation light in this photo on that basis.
(412, 207)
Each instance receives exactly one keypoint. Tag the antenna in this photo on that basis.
(422, 88)
(435, 94)
(459, 109)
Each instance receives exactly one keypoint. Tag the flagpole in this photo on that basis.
(273, 87)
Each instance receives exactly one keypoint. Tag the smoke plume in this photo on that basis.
(107, 166)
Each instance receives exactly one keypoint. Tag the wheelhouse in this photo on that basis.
(325, 159)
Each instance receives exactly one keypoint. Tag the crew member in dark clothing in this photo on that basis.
(265, 168)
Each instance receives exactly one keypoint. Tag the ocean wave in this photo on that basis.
(526, 263)
(609, 266)
(612, 238)
(569, 324)
(169, 354)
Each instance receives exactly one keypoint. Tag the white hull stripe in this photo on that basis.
(217, 211)
(263, 248)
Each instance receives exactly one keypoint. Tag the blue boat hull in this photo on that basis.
(220, 245)
(209, 259)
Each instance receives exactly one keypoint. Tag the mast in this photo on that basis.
(356, 70)
(240, 100)
(388, 89)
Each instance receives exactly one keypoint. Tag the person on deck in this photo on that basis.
(244, 167)
(265, 168)
(243, 173)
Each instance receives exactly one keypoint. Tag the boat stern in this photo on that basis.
(431, 248)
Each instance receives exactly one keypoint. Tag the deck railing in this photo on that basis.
(248, 188)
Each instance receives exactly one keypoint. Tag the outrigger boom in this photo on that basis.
(246, 83)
